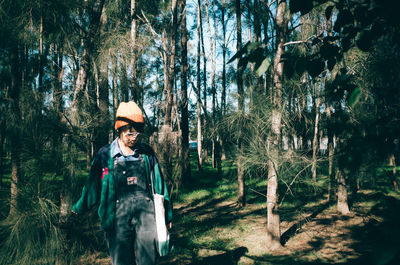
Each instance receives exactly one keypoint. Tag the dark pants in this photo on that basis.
(132, 239)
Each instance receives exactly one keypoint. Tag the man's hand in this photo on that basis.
(169, 225)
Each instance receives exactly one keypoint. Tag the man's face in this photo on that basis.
(129, 136)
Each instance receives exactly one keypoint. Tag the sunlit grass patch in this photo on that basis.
(194, 196)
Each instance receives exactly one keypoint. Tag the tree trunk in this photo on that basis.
(259, 82)
(15, 141)
(205, 125)
(184, 97)
(331, 150)
(115, 91)
(212, 39)
(199, 131)
(223, 81)
(103, 102)
(316, 136)
(41, 55)
(239, 81)
(394, 172)
(58, 106)
(171, 66)
(332, 186)
(342, 202)
(134, 86)
(273, 218)
(2, 141)
(169, 70)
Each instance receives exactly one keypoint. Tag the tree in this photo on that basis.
(184, 98)
(239, 83)
(273, 223)
(198, 90)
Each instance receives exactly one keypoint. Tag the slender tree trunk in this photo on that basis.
(239, 81)
(205, 125)
(252, 69)
(273, 218)
(223, 81)
(41, 54)
(332, 186)
(115, 91)
(394, 172)
(15, 141)
(259, 82)
(212, 39)
(316, 136)
(199, 129)
(58, 71)
(184, 96)
(266, 41)
(134, 86)
(2, 141)
(171, 66)
(103, 102)
(331, 150)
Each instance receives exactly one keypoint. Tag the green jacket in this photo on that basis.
(99, 187)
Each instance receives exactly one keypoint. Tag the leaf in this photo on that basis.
(346, 44)
(344, 17)
(263, 67)
(300, 65)
(243, 61)
(306, 7)
(239, 54)
(316, 41)
(328, 12)
(328, 50)
(295, 6)
(256, 55)
(354, 96)
(251, 46)
(315, 67)
(364, 40)
(331, 64)
(288, 70)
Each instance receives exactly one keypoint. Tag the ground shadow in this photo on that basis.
(228, 258)
(379, 237)
(297, 226)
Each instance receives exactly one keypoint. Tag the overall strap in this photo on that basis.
(149, 173)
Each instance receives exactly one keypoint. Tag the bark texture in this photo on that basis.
(273, 218)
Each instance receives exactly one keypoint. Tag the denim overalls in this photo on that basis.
(132, 239)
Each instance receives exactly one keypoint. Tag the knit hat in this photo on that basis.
(129, 113)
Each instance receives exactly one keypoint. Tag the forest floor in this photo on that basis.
(222, 233)
(210, 228)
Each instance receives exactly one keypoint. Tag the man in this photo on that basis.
(122, 179)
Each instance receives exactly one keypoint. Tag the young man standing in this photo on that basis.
(122, 179)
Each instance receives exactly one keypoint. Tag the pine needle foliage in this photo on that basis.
(32, 235)
(253, 128)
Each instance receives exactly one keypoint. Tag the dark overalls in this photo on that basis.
(132, 239)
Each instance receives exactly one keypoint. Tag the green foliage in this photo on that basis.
(32, 235)
(357, 23)
(252, 52)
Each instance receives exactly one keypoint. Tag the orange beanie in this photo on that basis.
(128, 112)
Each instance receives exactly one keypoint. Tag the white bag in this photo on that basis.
(162, 237)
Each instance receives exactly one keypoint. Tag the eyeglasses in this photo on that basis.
(131, 134)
